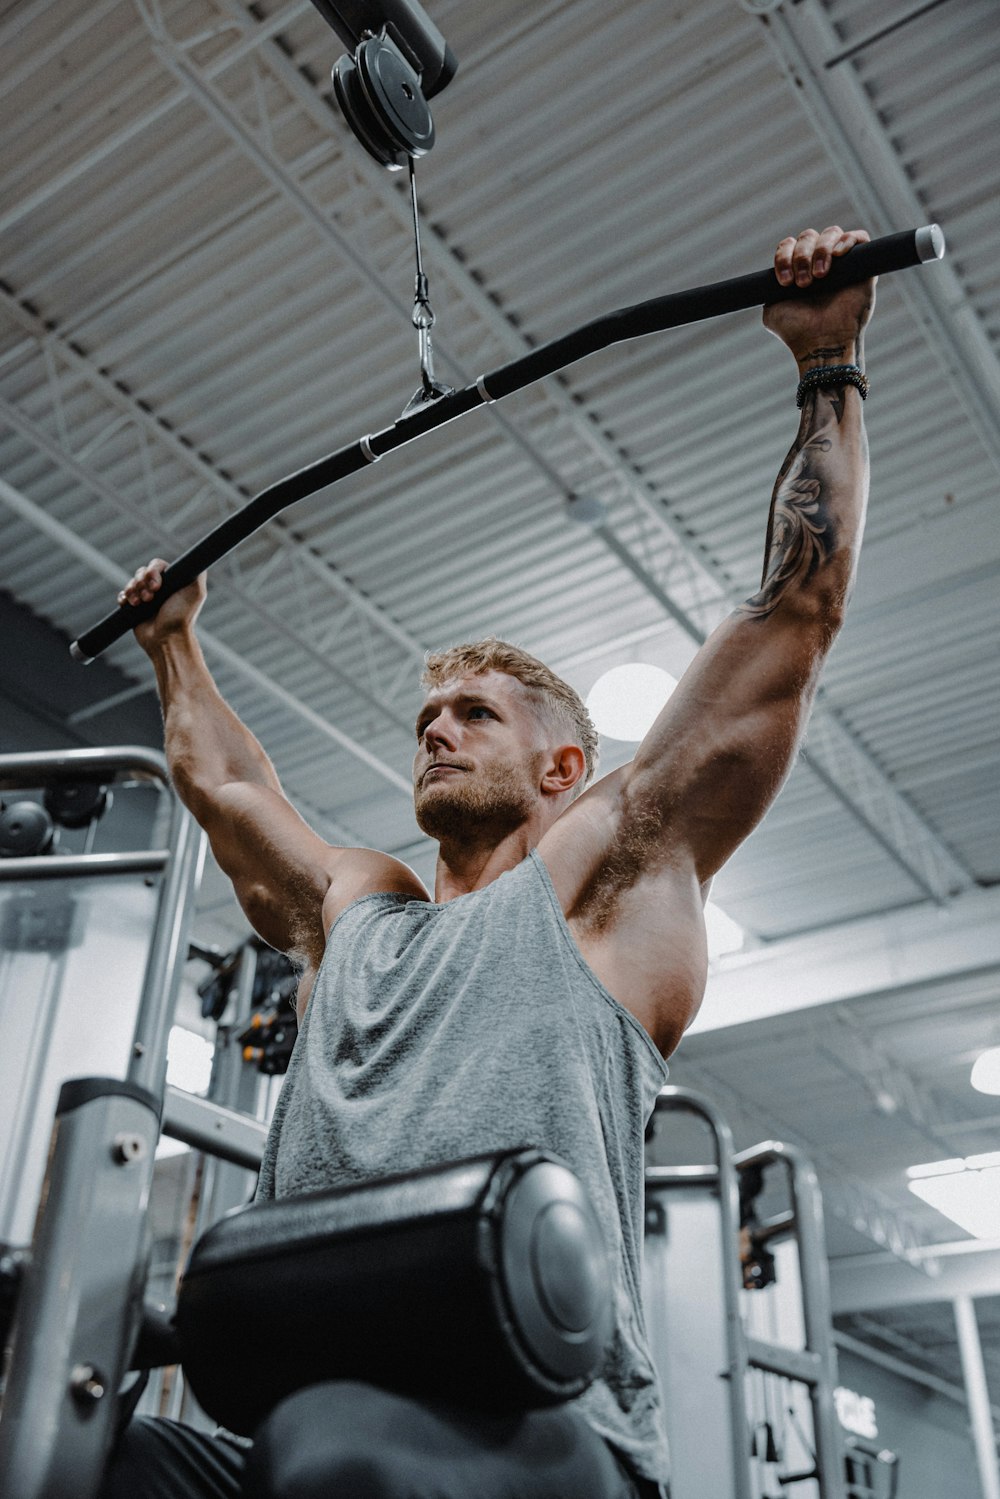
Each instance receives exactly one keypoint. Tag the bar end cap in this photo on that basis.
(930, 243)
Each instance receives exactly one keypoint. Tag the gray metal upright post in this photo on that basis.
(82, 1298)
(78, 1309)
(722, 1179)
(167, 952)
(978, 1395)
(816, 1366)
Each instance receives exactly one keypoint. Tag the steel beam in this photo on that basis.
(856, 1287)
(977, 1393)
(202, 468)
(164, 537)
(843, 1035)
(874, 801)
(76, 547)
(848, 127)
(904, 1369)
(439, 255)
(121, 138)
(873, 955)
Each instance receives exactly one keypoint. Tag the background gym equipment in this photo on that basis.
(486, 1279)
(78, 929)
(87, 1291)
(25, 829)
(75, 928)
(731, 1370)
(94, 1311)
(892, 253)
(498, 1263)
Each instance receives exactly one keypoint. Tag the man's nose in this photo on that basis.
(440, 733)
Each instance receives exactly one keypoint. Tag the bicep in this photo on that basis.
(279, 868)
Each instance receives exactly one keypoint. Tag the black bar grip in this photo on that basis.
(219, 541)
(894, 252)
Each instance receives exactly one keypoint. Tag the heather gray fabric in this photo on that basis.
(441, 1031)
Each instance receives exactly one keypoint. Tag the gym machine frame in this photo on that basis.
(815, 1365)
(227, 1126)
(79, 1301)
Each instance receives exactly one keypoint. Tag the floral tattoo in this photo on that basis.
(800, 533)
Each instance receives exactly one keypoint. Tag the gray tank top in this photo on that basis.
(441, 1031)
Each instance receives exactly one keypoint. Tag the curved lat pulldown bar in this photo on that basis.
(894, 252)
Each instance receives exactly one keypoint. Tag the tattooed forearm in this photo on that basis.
(825, 354)
(801, 530)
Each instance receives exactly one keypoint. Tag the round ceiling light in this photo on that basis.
(986, 1071)
(625, 701)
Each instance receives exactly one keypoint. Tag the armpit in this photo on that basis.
(638, 848)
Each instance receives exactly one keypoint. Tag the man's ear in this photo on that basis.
(565, 765)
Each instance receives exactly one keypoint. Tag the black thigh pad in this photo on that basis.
(485, 1281)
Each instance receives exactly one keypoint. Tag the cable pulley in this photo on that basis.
(398, 61)
(380, 96)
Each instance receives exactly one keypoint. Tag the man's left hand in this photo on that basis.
(827, 331)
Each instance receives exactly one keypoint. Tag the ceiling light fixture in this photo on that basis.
(965, 1190)
(626, 700)
(986, 1071)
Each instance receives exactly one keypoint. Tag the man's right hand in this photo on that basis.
(178, 613)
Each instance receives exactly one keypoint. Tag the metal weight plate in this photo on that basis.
(76, 804)
(25, 830)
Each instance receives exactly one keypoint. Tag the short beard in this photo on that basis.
(477, 806)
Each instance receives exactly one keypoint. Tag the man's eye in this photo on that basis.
(485, 711)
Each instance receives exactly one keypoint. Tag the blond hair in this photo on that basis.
(556, 698)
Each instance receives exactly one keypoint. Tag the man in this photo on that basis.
(559, 962)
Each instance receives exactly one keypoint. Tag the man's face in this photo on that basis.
(480, 751)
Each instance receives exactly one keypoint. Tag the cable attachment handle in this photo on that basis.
(423, 318)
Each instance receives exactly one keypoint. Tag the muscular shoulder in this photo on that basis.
(366, 871)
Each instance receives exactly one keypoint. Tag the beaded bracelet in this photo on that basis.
(832, 374)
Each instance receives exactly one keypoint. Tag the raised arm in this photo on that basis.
(280, 869)
(717, 755)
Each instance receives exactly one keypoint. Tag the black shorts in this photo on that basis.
(358, 1442)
